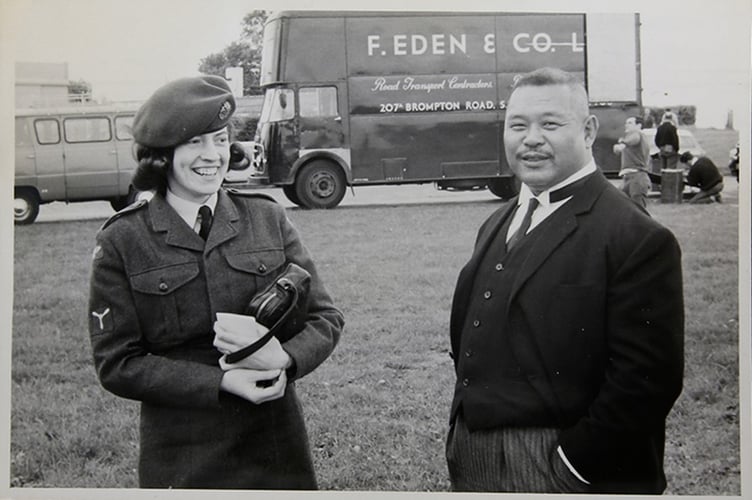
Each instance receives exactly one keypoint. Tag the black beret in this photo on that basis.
(183, 109)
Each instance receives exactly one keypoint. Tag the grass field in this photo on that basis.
(377, 409)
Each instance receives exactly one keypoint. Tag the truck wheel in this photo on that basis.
(504, 187)
(25, 207)
(289, 190)
(320, 184)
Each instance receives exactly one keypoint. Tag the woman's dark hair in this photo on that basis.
(153, 164)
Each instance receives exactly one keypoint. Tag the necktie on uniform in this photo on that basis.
(520, 233)
(205, 221)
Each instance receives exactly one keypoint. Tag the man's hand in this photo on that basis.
(243, 383)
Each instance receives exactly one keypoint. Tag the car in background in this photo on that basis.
(687, 142)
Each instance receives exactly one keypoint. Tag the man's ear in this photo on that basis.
(591, 130)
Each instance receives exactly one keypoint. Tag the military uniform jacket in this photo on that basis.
(156, 287)
(598, 303)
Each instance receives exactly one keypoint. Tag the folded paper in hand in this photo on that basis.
(282, 307)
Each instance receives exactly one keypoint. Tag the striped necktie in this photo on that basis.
(520, 233)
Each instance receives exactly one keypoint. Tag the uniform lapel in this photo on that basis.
(225, 225)
(165, 219)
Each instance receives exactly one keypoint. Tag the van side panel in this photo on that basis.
(90, 158)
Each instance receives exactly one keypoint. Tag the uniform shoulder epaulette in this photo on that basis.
(249, 194)
(133, 207)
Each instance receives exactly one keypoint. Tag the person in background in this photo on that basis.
(667, 140)
(703, 174)
(567, 323)
(635, 156)
(161, 272)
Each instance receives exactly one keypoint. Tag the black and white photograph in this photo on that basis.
(294, 249)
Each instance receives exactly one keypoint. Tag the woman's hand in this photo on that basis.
(228, 340)
(270, 357)
(244, 383)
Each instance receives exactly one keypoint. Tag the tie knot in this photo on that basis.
(532, 204)
(204, 211)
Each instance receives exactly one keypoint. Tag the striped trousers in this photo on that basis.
(508, 459)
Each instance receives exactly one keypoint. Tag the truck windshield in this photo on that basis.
(279, 105)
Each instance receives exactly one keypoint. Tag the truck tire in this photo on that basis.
(320, 184)
(289, 190)
(25, 206)
(505, 188)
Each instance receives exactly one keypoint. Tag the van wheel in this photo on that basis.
(504, 187)
(320, 184)
(25, 206)
(289, 190)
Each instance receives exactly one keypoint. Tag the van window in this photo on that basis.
(318, 101)
(47, 131)
(124, 128)
(87, 129)
(23, 132)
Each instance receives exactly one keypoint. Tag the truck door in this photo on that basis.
(321, 123)
(91, 165)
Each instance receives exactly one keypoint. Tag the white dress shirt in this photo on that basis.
(545, 207)
(188, 210)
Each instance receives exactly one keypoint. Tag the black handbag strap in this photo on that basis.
(246, 351)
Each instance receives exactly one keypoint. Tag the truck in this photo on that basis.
(358, 98)
(73, 153)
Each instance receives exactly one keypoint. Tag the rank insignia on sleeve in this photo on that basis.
(101, 321)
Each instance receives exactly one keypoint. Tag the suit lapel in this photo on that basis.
(555, 234)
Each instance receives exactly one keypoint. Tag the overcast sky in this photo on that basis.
(693, 52)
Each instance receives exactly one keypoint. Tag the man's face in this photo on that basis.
(631, 125)
(199, 165)
(547, 134)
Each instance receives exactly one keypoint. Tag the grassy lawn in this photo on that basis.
(377, 409)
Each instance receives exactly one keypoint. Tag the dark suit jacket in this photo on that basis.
(599, 304)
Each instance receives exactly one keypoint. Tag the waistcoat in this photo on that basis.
(492, 390)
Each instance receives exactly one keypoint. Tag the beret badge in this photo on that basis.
(225, 110)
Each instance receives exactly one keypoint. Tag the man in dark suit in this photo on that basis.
(567, 323)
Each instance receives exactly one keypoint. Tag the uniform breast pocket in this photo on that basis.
(252, 271)
(164, 302)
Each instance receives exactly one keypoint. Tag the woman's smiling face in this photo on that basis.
(199, 166)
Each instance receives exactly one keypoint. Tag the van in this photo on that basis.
(79, 153)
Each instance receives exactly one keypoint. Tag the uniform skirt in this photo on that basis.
(239, 445)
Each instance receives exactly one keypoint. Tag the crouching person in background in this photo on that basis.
(703, 174)
(162, 271)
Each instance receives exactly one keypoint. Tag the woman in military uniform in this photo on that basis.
(160, 274)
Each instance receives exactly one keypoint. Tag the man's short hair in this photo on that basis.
(686, 157)
(551, 76)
